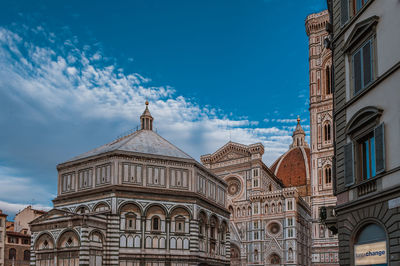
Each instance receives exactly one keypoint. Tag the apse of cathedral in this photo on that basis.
(139, 200)
(270, 222)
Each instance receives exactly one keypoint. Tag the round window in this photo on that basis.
(234, 186)
(274, 228)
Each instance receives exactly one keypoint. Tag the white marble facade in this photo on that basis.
(138, 200)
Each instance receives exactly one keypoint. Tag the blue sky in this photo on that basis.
(75, 75)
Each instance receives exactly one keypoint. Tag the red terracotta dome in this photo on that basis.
(293, 167)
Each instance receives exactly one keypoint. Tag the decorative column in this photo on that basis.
(228, 244)
(112, 240)
(33, 255)
(168, 227)
(84, 255)
(143, 228)
(194, 235)
(206, 237)
(218, 242)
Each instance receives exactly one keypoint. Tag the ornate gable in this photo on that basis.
(231, 151)
(52, 215)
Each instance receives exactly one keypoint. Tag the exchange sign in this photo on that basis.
(370, 254)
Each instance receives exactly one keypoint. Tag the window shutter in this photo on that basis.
(348, 164)
(379, 133)
(357, 71)
(367, 63)
(344, 12)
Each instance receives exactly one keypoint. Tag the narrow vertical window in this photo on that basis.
(328, 80)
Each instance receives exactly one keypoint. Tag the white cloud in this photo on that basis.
(13, 208)
(69, 83)
(21, 191)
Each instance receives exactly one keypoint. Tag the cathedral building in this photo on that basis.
(324, 243)
(138, 200)
(269, 222)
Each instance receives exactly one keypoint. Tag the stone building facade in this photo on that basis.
(16, 237)
(324, 242)
(24, 217)
(17, 248)
(3, 219)
(365, 45)
(138, 200)
(269, 222)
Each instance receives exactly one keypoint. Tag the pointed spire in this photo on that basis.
(146, 120)
(298, 136)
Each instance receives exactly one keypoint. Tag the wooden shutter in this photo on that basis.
(357, 71)
(348, 164)
(367, 63)
(379, 133)
(344, 11)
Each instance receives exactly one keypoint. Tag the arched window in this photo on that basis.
(212, 230)
(201, 227)
(275, 259)
(101, 208)
(27, 255)
(328, 80)
(256, 255)
(266, 208)
(290, 254)
(180, 224)
(155, 223)
(273, 208)
(327, 132)
(82, 210)
(230, 208)
(12, 254)
(249, 211)
(130, 220)
(328, 175)
(238, 212)
(371, 235)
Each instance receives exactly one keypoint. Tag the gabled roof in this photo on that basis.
(141, 141)
(53, 214)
